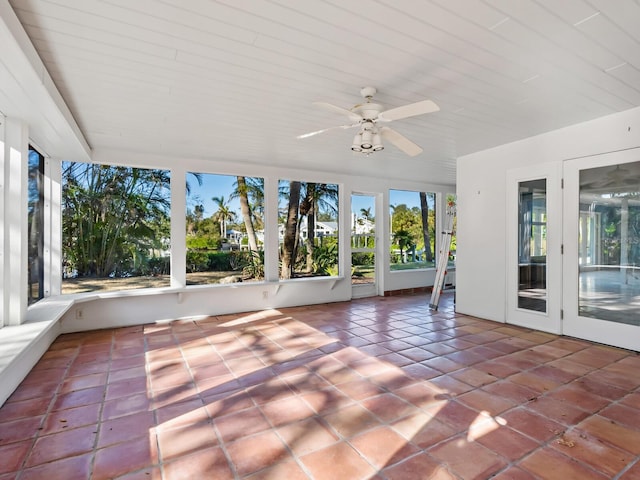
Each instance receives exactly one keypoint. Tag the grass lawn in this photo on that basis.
(411, 265)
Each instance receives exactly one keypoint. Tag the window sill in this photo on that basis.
(71, 299)
(331, 281)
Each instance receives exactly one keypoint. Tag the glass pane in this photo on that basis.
(35, 224)
(115, 227)
(412, 219)
(363, 239)
(224, 229)
(532, 245)
(609, 243)
(308, 229)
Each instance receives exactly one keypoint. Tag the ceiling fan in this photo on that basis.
(369, 117)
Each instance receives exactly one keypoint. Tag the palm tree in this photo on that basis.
(223, 214)
(307, 208)
(291, 231)
(318, 197)
(255, 192)
(424, 210)
(404, 240)
(198, 177)
(199, 212)
(392, 213)
(242, 190)
(365, 216)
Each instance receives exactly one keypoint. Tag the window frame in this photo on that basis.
(434, 228)
(334, 258)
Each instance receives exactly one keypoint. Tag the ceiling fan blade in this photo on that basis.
(406, 111)
(354, 117)
(317, 132)
(400, 141)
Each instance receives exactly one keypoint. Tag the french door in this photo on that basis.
(601, 264)
(534, 288)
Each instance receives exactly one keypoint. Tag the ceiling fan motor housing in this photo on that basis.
(368, 111)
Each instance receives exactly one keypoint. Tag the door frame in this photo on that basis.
(602, 331)
(549, 321)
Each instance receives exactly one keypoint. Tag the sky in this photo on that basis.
(212, 186)
(359, 202)
(409, 198)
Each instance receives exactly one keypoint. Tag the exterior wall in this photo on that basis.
(481, 185)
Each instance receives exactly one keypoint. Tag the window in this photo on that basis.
(308, 229)
(225, 229)
(35, 212)
(115, 227)
(412, 222)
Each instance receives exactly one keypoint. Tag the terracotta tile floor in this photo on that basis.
(377, 388)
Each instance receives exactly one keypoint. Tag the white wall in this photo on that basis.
(481, 187)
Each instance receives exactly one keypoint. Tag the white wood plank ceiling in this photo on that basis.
(234, 79)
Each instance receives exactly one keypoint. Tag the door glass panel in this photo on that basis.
(532, 245)
(609, 243)
(363, 239)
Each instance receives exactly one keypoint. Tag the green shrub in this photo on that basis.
(160, 265)
(325, 259)
(362, 258)
(219, 261)
(197, 261)
(255, 266)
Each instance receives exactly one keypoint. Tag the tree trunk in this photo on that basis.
(290, 232)
(311, 224)
(246, 214)
(424, 208)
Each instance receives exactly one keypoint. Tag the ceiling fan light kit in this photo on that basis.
(357, 142)
(377, 142)
(367, 115)
(368, 139)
